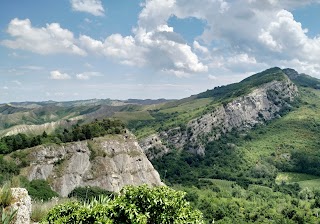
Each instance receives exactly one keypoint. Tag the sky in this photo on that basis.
(120, 49)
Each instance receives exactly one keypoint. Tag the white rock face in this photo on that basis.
(22, 203)
(262, 104)
(109, 162)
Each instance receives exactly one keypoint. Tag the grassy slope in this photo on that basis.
(296, 131)
(150, 119)
(304, 180)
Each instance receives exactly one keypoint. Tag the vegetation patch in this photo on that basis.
(94, 129)
(140, 205)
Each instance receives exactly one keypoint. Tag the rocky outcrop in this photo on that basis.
(262, 104)
(153, 146)
(109, 162)
(22, 203)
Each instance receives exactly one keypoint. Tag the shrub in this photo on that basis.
(87, 193)
(40, 190)
(133, 205)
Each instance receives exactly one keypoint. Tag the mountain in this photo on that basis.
(237, 107)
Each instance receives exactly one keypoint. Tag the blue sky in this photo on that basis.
(120, 49)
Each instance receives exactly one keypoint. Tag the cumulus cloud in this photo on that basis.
(256, 34)
(57, 75)
(287, 36)
(240, 36)
(51, 39)
(93, 7)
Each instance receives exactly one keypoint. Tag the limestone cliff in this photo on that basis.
(264, 103)
(109, 162)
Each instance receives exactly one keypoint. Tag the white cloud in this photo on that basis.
(117, 47)
(51, 39)
(254, 34)
(57, 75)
(87, 75)
(291, 39)
(5, 87)
(239, 36)
(161, 49)
(93, 7)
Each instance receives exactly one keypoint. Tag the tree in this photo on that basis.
(44, 134)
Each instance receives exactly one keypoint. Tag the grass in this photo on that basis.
(6, 195)
(40, 209)
(169, 115)
(304, 180)
(311, 184)
(187, 106)
(291, 177)
(224, 184)
(135, 115)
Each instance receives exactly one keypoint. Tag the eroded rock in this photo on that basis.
(109, 162)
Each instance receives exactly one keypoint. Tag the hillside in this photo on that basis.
(36, 117)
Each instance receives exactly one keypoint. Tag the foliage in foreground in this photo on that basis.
(140, 205)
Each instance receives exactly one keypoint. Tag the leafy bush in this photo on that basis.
(133, 205)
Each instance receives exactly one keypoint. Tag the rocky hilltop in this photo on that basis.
(109, 162)
(262, 104)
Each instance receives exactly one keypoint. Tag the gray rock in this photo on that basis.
(109, 162)
(262, 104)
(22, 203)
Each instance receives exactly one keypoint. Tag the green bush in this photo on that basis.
(39, 190)
(133, 205)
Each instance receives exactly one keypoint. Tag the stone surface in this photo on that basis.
(22, 202)
(109, 162)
